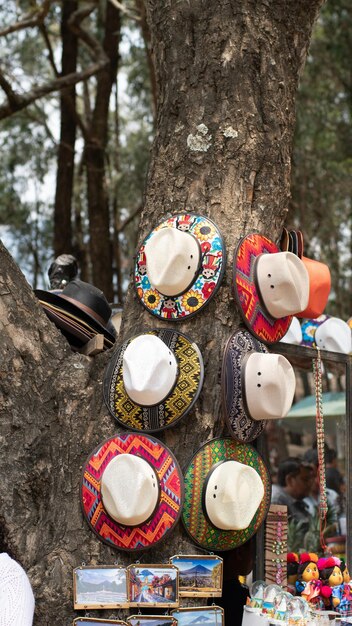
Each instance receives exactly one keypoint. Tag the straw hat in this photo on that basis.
(137, 517)
(269, 286)
(294, 333)
(327, 333)
(227, 494)
(153, 380)
(179, 266)
(256, 386)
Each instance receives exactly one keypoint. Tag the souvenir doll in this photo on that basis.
(331, 575)
(308, 585)
(292, 566)
(345, 605)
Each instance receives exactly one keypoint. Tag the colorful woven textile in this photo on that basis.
(168, 509)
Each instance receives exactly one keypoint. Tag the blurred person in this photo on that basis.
(313, 499)
(295, 478)
(237, 562)
(334, 478)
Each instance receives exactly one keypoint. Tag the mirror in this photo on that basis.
(295, 436)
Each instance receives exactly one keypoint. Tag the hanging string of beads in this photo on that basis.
(319, 422)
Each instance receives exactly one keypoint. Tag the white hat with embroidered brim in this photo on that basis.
(334, 334)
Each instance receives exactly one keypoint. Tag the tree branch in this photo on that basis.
(17, 102)
(34, 18)
(125, 11)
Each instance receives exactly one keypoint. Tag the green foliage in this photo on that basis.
(304, 536)
(322, 159)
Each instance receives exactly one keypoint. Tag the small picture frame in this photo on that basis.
(90, 621)
(153, 585)
(151, 620)
(199, 616)
(100, 587)
(199, 575)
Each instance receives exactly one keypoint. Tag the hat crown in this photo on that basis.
(269, 384)
(89, 296)
(149, 370)
(233, 494)
(173, 258)
(129, 489)
(283, 283)
(294, 333)
(334, 334)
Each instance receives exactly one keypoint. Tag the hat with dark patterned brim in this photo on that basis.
(257, 319)
(168, 509)
(242, 426)
(179, 401)
(206, 281)
(196, 523)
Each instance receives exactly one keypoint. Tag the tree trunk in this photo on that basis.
(97, 197)
(227, 75)
(66, 153)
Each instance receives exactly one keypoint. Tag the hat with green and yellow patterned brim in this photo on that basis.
(198, 477)
(134, 389)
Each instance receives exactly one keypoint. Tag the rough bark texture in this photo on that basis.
(227, 74)
(98, 208)
(66, 152)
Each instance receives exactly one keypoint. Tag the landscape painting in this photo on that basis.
(199, 575)
(90, 621)
(151, 620)
(153, 585)
(200, 616)
(100, 587)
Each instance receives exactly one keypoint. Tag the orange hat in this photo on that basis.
(319, 288)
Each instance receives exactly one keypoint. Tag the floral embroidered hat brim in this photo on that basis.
(132, 491)
(153, 380)
(179, 266)
(227, 494)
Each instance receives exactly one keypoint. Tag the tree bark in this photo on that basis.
(97, 197)
(227, 75)
(66, 152)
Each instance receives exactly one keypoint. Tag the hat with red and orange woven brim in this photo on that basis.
(164, 475)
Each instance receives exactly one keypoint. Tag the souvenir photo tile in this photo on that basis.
(200, 616)
(199, 575)
(101, 587)
(153, 585)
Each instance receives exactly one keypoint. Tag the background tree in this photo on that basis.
(227, 74)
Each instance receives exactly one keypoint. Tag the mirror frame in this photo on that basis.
(302, 357)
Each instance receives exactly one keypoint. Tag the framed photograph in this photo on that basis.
(199, 616)
(88, 621)
(199, 575)
(151, 620)
(100, 587)
(153, 585)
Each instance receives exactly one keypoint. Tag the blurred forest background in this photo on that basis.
(78, 101)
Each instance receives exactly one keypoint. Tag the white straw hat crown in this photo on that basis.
(129, 489)
(334, 334)
(149, 370)
(270, 384)
(173, 258)
(283, 283)
(233, 494)
(294, 333)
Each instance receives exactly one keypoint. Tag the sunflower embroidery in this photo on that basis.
(192, 301)
(152, 298)
(204, 231)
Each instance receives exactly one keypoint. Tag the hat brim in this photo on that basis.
(242, 426)
(180, 399)
(168, 510)
(202, 290)
(78, 333)
(257, 319)
(69, 308)
(195, 522)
